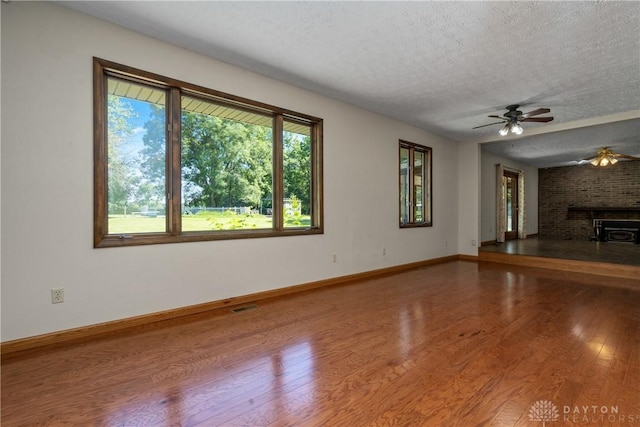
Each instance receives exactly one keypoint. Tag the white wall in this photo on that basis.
(468, 201)
(47, 186)
(0, 168)
(488, 194)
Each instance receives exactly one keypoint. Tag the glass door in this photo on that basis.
(511, 205)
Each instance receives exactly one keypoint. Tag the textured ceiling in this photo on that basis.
(441, 66)
(569, 147)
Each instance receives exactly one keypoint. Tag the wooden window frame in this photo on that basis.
(427, 185)
(175, 89)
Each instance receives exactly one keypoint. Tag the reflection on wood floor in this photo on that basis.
(607, 252)
(454, 344)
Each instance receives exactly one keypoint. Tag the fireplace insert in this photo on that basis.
(617, 230)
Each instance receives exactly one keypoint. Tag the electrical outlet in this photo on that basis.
(57, 295)
(473, 243)
(334, 258)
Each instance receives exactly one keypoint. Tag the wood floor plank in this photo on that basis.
(455, 344)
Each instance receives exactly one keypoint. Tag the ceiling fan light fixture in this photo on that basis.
(512, 127)
(604, 159)
(516, 128)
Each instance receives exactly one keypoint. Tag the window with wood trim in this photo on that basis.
(415, 185)
(176, 162)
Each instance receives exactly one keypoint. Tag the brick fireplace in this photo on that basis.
(571, 197)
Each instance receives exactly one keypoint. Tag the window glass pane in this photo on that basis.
(226, 167)
(136, 156)
(418, 176)
(426, 187)
(296, 163)
(509, 205)
(404, 185)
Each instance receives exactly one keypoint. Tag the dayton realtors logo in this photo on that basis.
(543, 410)
(546, 411)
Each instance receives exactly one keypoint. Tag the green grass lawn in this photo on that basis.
(203, 221)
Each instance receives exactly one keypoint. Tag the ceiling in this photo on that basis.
(441, 66)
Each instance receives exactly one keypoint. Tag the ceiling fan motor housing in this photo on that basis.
(513, 112)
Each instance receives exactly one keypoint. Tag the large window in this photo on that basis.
(176, 162)
(415, 185)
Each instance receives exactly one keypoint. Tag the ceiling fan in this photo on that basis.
(512, 118)
(605, 156)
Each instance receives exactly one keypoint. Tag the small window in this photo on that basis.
(175, 162)
(415, 185)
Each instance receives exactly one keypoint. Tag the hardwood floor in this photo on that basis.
(600, 252)
(455, 344)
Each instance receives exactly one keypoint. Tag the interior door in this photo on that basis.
(511, 179)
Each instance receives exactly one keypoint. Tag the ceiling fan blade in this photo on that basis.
(538, 119)
(626, 156)
(536, 112)
(498, 117)
(490, 124)
(591, 158)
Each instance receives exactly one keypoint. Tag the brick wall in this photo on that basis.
(589, 186)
